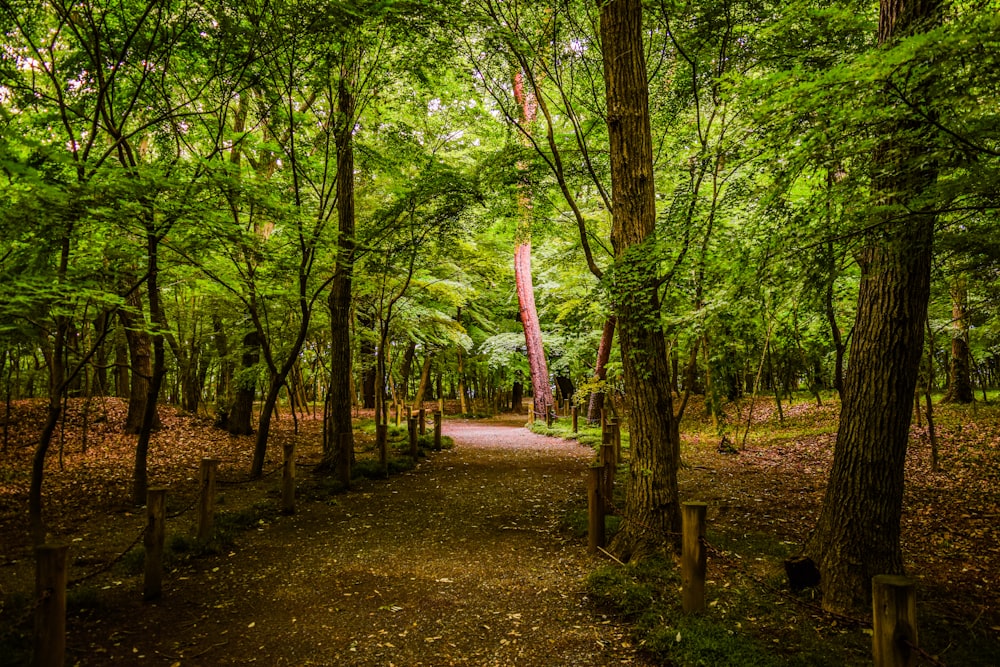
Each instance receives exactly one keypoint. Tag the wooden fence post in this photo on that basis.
(604, 419)
(438, 417)
(412, 426)
(608, 463)
(50, 605)
(398, 413)
(548, 414)
(616, 435)
(595, 509)
(288, 478)
(894, 616)
(693, 556)
(608, 438)
(576, 419)
(206, 504)
(422, 414)
(152, 541)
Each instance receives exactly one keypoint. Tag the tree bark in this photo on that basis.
(541, 389)
(369, 371)
(140, 480)
(652, 511)
(596, 403)
(239, 420)
(140, 361)
(122, 365)
(425, 380)
(224, 384)
(959, 375)
(339, 442)
(857, 535)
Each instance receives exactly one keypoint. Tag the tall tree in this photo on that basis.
(528, 312)
(857, 535)
(651, 511)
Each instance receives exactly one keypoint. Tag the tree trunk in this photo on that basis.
(405, 370)
(857, 535)
(121, 373)
(339, 442)
(224, 384)
(463, 403)
(140, 361)
(101, 323)
(239, 419)
(652, 512)
(601, 369)
(149, 416)
(959, 377)
(367, 344)
(840, 348)
(517, 397)
(541, 389)
(275, 381)
(425, 380)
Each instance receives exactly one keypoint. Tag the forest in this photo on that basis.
(277, 220)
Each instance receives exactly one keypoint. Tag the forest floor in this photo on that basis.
(467, 558)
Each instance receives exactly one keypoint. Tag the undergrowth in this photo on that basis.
(739, 629)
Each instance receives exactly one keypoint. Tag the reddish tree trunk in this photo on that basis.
(601, 369)
(541, 389)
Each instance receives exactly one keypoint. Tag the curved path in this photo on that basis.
(458, 562)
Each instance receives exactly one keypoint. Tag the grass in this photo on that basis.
(739, 629)
(585, 435)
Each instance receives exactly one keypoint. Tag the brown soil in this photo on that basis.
(460, 561)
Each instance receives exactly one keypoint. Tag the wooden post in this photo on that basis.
(531, 414)
(604, 419)
(608, 438)
(152, 542)
(398, 413)
(288, 479)
(412, 425)
(206, 505)
(608, 463)
(422, 414)
(50, 605)
(616, 434)
(693, 556)
(438, 417)
(344, 464)
(576, 417)
(548, 415)
(894, 621)
(595, 509)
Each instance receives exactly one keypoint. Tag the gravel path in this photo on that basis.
(458, 562)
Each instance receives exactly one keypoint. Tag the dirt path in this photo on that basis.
(458, 562)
